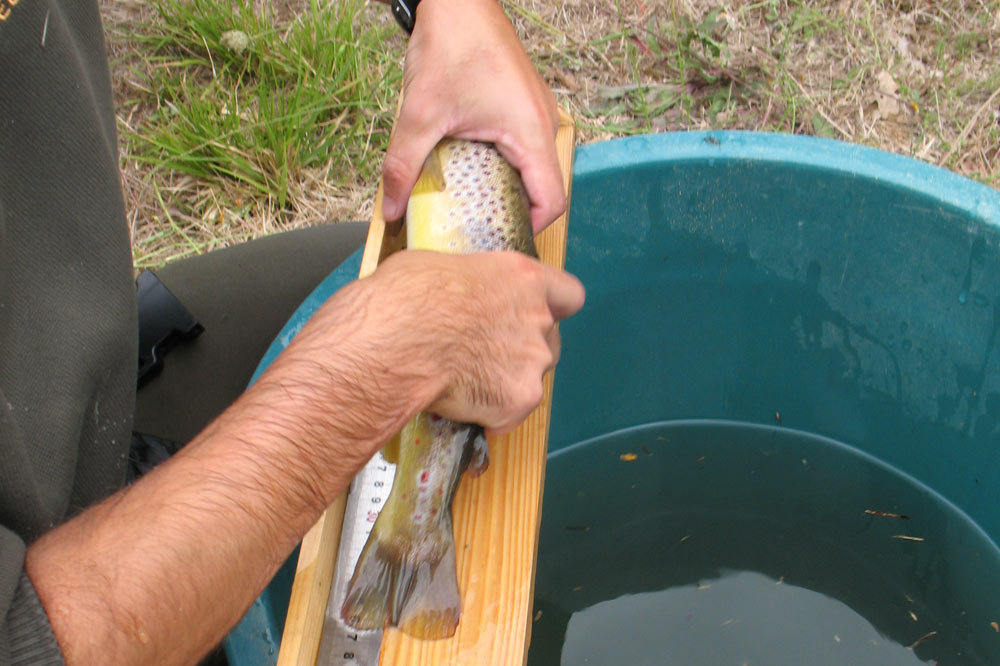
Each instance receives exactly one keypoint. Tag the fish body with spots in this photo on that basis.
(467, 199)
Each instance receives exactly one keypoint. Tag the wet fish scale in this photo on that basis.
(467, 199)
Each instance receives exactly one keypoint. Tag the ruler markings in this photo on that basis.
(342, 645)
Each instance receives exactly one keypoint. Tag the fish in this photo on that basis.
(467, 199)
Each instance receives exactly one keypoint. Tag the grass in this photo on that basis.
(222, 145)
(251, 109)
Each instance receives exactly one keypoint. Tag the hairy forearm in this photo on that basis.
(161, 570)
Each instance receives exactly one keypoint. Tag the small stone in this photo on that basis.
(235, 40)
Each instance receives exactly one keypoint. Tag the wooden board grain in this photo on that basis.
(300, 639)
(496, 517)
(311, 589)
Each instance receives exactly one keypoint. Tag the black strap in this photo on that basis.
(163, 322)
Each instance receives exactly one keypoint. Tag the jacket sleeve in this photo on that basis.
(25, 633)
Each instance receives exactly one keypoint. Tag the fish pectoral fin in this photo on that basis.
(390, 451)
(479, 457)
(431, 177)
(407, 582)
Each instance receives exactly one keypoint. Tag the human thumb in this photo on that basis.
(409, 146)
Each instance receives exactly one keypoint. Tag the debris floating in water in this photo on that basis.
(906, 537)
(923, 638)
(886, 514)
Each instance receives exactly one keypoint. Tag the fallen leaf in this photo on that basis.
(885, 97)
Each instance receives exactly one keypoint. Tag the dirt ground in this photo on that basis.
(916, 77)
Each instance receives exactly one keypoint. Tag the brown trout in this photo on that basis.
(467, 199)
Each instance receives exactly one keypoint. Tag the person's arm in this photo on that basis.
(160, 571)
(468, 77)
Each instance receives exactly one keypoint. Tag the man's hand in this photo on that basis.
(158, 573)
(468, 337)
(468, 77)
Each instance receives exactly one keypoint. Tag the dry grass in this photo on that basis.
(915, 77)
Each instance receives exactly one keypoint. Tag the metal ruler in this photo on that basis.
(341, 645)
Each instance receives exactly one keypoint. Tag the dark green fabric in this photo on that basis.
(31, 638)
(67, 308)
(242, 295)
(68, 348)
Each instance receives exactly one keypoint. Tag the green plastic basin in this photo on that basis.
(784, 378)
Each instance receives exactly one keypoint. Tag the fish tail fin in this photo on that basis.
(394, 584)
(434, 606)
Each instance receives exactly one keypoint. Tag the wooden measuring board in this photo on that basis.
(496, 517)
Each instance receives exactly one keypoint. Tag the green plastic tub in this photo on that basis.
(776, 429)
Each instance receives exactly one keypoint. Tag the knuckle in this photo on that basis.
(394, 170)
(529, 396)
(557, 205)
(534, 394)
(526, 273)
(546, 321)
(531, 269)
(555, 347)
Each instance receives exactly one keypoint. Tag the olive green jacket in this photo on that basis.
(67, 299)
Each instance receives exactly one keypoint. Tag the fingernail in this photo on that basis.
(390, 209)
